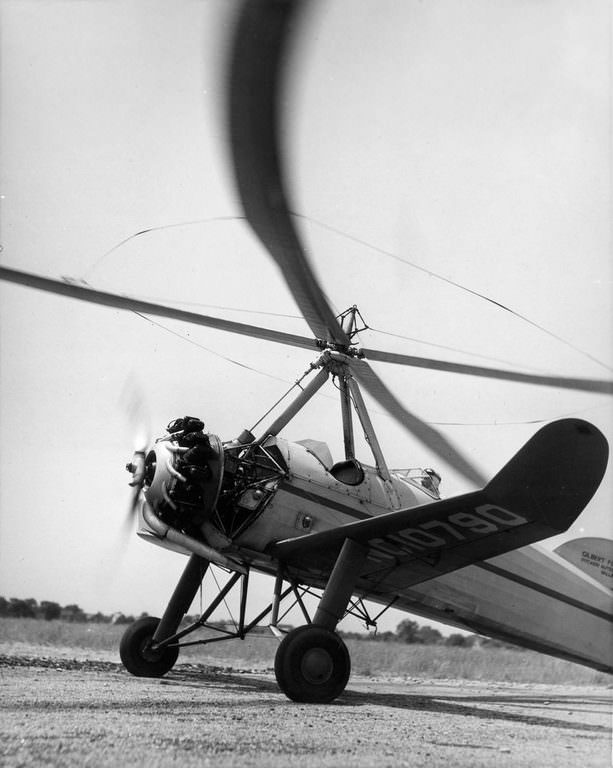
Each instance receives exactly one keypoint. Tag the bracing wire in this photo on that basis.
(322, 394)
(280, 400)
(366, 244)
(161, 299)
(159, 228)
(273, 406)
(453, 283)
(230, 614)
(375, 330)
(454, 349)
(370, 328)
(207, 349)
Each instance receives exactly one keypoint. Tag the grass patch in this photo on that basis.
(492, 664)
(369, 657)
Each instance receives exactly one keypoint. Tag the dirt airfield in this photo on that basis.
(87, 711)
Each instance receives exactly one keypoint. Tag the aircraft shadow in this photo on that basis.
(441, 703)
(473, 706)
(262, 684)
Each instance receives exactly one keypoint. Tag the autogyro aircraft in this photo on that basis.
(357, 532)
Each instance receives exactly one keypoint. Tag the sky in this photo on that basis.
(471, 140)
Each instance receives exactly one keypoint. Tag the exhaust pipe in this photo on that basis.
(164, 531)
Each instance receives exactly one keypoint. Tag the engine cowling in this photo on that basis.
(181, 473)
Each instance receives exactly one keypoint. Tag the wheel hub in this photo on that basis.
(317, 666)
(148, 653)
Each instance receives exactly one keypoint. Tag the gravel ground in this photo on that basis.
(59, 710)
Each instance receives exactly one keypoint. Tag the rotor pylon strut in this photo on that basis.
(347, 420)
(296, 405)
(338, 364)
(371, 439)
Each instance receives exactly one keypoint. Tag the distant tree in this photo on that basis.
(427, 635)
(49, 610)
(456, 640)
(21, 609)
(407, 630)
(189, 618)
(99, 618)
(4, 606)
(120, 618)
(73, 613)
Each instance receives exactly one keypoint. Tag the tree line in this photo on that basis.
(48, 610)
(408, 631)
(412, 633)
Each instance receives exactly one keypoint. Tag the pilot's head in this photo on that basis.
(433, 479)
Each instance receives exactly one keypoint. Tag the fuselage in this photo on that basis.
(310, 498)
(530, 596)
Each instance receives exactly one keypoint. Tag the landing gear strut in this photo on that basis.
(312, 663)
(139, 650)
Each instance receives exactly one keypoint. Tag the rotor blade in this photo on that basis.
(585, 385)
(257, 60)
(429, 436)
(82, 293)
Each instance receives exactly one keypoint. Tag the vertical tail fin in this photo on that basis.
(592, 555)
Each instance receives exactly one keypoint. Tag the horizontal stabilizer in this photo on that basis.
(592, 555)
(539, 493)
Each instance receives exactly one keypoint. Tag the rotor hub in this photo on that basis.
(351, 323)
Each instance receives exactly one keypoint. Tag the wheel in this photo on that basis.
(136, 654)
(312, 665)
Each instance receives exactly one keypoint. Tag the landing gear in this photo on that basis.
(312, 665)
(137, 654)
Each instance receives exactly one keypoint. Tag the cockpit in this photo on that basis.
(349, 471)
(428, 479)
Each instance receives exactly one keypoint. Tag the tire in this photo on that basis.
(312, 665)
(136, 654)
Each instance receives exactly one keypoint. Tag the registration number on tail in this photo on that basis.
(460, 526)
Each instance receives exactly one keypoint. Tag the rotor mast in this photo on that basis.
(352, 322)
(336, 360)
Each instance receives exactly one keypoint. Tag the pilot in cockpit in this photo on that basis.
(431, 480)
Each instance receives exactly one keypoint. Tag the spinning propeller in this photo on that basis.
(258, 54)
(137, 468)
(138, 419)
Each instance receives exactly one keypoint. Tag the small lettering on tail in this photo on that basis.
(593, 556)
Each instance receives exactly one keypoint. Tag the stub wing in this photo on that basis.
(538, 494)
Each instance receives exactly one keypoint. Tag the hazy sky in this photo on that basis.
(472, 139)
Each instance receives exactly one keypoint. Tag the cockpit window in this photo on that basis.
(429, 479)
